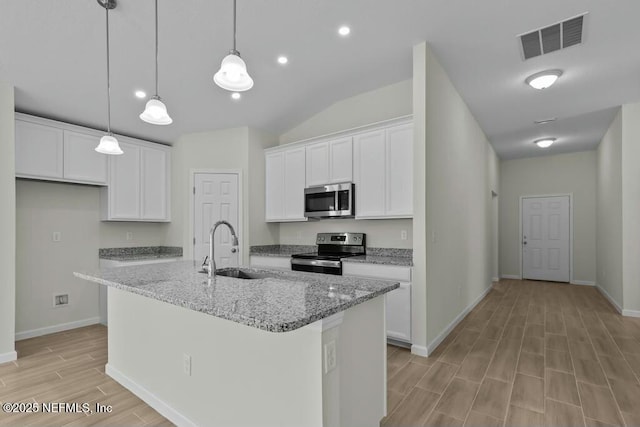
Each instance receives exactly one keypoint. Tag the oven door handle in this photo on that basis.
(315, 262)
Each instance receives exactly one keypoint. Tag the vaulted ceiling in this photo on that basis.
(54, 54)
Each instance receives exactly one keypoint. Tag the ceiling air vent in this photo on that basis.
(554, 37)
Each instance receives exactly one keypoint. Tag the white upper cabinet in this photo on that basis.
(39, 150)
(81, 161)
(139, 182)
(55, 151)
(329, 162)
(284, 185)
(383, 173)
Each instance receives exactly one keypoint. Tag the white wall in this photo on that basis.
(7, 224)
(609, 212)
(460, 169)
(381, 104)
(44, 267)
(631, 208)
(237, 148)
(563, 173)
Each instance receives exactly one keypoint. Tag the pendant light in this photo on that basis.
(233, 73)
(155, 112)
(108, 143)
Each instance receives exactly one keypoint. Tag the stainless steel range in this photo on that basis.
(332, 247)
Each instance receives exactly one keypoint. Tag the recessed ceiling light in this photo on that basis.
(282, 60)
(236, 95)
(543, 79)
(544, 143)
(541, 122)
(140, 94)
(344, 31)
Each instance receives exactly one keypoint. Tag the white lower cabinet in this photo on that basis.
(398, 301)
(283, 263)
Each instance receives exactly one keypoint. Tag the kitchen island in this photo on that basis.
(282, 349)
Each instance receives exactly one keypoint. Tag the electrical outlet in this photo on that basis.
(56, 236)
(330, 357)
(129, 235)
(403, 235)
(186, 364)
(60, 300)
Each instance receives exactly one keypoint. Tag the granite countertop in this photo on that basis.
(282, 301)
(385, 256)
(140, 253)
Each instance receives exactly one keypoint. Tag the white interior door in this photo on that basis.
(216, 198)
(545, 238)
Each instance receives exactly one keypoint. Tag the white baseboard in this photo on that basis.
(495, 279)
(419, 350)
(609, 298)
(436, 342)
(583, 282)
(149, 398)
(8, 357)
(56, 328)
(631, 313)
(511, 276)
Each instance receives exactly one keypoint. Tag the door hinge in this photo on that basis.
(194, 190)
(194, 241)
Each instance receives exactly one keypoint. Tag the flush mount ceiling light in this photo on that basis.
(108, 143)
(140, 94)
(344, 31)
(155, 112)
(543, 79)
(282, 60)
(544, 143)
(233, 75)
(235, 96)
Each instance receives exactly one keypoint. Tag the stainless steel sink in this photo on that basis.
(238, 273)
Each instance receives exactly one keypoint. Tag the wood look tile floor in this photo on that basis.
(68, 367)
(529, 354)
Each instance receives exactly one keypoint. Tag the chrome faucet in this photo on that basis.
(234, 241)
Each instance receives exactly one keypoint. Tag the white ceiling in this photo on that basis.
(54, 53)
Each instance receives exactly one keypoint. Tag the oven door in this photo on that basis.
(316, 266)
(330, 201)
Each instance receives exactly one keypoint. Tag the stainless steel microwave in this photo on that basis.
(330, 201)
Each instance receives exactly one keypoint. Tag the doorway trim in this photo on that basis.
(192, 213)
(520, 229)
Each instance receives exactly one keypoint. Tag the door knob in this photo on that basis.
(524, 243)
(234, 250)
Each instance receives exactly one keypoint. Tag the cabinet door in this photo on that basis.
(154, 184)
(341, 160)
(369, 168)
(399, 171)
(294, 182)
(398, 312)
(274, 186)
(124, 183)
(39, 150)
(81, 161)
(317, 163)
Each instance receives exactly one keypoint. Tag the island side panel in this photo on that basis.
(362, 360)
(239, 375)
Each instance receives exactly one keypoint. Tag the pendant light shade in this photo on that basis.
(155, 112)
(233, 74)
(108, 143)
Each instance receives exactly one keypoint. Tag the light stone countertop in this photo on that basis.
(282, 302)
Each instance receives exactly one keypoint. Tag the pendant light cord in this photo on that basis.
(108, 79)
(234, 26)
(157, 48)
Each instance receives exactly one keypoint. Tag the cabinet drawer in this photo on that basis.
(377, 271)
